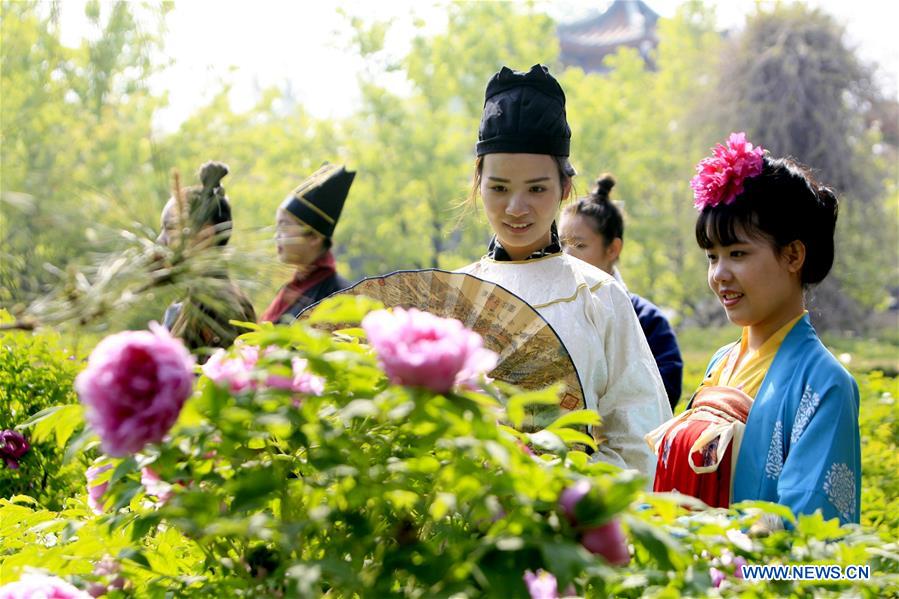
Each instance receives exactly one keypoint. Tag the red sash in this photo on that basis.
(696, 450)
(322, 268)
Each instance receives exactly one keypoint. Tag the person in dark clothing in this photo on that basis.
(305, 223)
(592, 229)
(195, 222)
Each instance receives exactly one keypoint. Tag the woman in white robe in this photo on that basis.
(522, 175)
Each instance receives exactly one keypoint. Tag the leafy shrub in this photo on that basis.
(372, 489)
(879, 423)
(36, 374)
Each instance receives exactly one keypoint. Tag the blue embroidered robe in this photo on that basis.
(801, 447)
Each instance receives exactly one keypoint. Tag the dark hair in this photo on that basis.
(605, 216)
(208, 204)
(566, 173)
(781, 205)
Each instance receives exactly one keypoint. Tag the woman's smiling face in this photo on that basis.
(757, 286)
(521, 194)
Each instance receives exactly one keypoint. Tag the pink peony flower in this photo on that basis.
(154, 485)
(134, 387)
(719, 178)
(96, 491)
(41, 586)
(237, 372)
(608, 541)
(541, 585)
(420, 349)
(13, 445)
(571, 496)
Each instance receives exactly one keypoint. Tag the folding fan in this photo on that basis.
(531, 355)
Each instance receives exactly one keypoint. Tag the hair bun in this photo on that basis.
(828, 199)
(604, 185)
(211, 174)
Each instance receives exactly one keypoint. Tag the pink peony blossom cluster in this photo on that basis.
(95, 491)
(420, 349)
(40, 586)
(13, 445)
(236, 372)
(134, 387)
(233, 372)
(719, 179)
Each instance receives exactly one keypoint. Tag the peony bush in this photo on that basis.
(309, 468)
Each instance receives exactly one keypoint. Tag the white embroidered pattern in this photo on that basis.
(775, 461)
(807, 406)
(839, 486)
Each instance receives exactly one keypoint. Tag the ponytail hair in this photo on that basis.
(603, 215)
(781, 205)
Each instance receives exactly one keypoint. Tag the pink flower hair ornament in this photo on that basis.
(719, 178)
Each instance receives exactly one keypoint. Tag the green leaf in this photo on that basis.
(515, 407)
(59, 421)
(251, 488)
(767, 507)
(576, 418)
(343, 309)
(661, 546)
(565, 560)
(548, 441)
(571, 437)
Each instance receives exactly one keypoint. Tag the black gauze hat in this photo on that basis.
(318, 201)
(524, 113)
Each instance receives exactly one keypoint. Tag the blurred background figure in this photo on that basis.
(305, 223)
(196, 226)
(592, 229)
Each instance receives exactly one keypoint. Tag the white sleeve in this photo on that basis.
(631, 399)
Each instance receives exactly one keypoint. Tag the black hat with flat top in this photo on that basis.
(318, 201)
(524, 113)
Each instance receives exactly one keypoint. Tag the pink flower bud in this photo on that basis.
(541, 585)
(95, 492)
(608, 541)
(717, 577)
(13, 445)
(571, 496)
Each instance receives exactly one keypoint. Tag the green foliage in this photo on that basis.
(77, 153)
(879, 423)
(412, 139)
(36, 377)
(792, 81)
(377, 490)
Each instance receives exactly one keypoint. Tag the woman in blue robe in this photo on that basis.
(776, 417)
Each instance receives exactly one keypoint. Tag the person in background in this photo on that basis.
(197, 224)
(592, 229)
(304, 224)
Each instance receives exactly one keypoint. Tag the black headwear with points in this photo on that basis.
(524, 113)
(318, 201)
